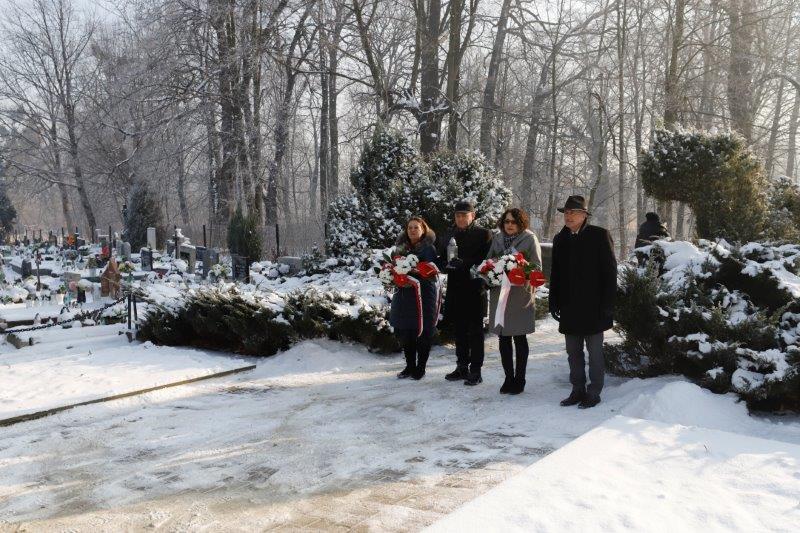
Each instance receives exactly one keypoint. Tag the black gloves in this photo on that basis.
(556, 313)
(454, 265)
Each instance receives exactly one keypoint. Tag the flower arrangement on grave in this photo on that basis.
(513, 267)
(91, 262)
(61, 289)
(221, 271)
(126, 267)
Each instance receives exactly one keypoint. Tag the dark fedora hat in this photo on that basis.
(575, 202)
(464, 206)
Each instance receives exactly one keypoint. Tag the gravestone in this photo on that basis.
(295, 264)
(147, 259)
(200, 257)
(151, 238)
(171, 247)
(126, 251)
(210, 258)
(27, 270)
(188, 254)
(240, 268)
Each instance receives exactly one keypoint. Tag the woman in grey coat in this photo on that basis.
(520, 313)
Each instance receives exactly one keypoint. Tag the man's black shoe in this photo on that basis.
(459, 374)
(405, 373)
(506, 387)
(418, 373)
(574, 398)
(589, 402)
(473, 380)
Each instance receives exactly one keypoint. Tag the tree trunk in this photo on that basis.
(671, 91)
(429, 117)
(740, 67)
(776, 119)
(182, 186)
(59, 173)
(791, 156)
(225, 178)
(529, 163)
(623, 160)
(453, 71)
(333, 119)
(489, 106)
(324, 135)
(86, 204)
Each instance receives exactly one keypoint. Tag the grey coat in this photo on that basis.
(520, 315)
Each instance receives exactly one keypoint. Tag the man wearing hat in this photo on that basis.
(465, 302)
(583, 284)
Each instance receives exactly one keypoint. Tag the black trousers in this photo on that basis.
(520, 346)
(469, 343)
(416, 349)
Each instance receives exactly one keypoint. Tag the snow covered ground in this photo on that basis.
(630, 474)
(69, 366)
(324, 436)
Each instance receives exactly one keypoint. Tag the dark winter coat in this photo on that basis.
(649, 231)
(583, 280)
(404, 314)
(465, 299)
(520, 315)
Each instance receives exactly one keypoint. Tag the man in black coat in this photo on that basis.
(651, 230)
(583, 284)
(465, 302)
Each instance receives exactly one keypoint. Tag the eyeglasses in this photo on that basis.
(509, 221)
(573, 211)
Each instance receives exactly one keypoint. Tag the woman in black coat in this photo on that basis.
(417, 239)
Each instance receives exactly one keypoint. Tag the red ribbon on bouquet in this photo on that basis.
(427, 269)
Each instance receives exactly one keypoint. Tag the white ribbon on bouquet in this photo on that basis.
(502, 301)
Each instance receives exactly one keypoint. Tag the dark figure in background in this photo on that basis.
(465, 303)
(583, 285)
(417, 239)
(651, 230)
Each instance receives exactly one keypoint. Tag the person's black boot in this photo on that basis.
(405, 373)
(418, 373)
(459, 374)
(473, 379)
(518, 385)
(506, 387)
(589, 401)
(575, 397)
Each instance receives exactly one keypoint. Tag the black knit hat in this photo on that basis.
(575, 202)
(464, 206)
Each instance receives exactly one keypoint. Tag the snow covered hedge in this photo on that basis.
(394, 182)
(727, 316)
(272, 314)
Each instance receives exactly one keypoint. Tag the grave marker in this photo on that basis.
(240, 268)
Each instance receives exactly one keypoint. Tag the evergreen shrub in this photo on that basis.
(726, 316)
(244, 236)
(394, 182)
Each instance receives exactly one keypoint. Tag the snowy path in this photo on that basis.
(75, 365)
(322, 436)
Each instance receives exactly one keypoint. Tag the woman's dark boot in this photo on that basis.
(518, 385)
(409, 350)
(507, 385)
